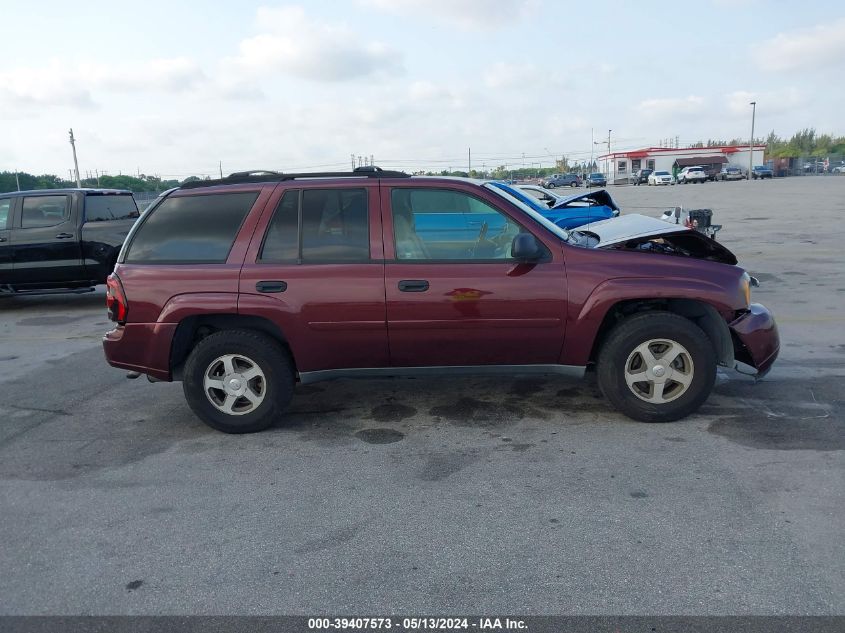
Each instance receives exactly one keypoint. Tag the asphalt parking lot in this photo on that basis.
(433, 496)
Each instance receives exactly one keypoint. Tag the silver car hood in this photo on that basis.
(629, 227)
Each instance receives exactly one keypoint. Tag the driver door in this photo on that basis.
(454, 295)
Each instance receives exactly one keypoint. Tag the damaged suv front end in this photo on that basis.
(745, 333)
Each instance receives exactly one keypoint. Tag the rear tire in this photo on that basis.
(238, 381)
(672, 355)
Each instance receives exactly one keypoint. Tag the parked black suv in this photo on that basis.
(61, 238)
(640, 177)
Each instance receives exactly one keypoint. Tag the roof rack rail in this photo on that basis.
(255, 176)
(254, 172)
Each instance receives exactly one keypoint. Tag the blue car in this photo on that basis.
(569, 211)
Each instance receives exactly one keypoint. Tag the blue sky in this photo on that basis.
(172, 88)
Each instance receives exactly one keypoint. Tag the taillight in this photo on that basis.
(116, 299)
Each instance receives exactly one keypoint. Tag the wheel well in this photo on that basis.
(702, 314)
(191, 330)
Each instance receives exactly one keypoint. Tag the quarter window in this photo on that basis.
(44, 211)
(439, 224)
(191, 229)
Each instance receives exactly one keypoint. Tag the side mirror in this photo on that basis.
(526, 248)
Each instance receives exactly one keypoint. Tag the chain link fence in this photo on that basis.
(833, 164)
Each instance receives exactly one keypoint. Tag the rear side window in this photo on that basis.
(41, 211)
(331, 226)
(110, 207)
(191, 229)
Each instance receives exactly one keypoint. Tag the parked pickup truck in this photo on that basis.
(55, 239)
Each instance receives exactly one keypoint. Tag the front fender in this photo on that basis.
(585, 318)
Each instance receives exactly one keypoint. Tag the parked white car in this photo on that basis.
(660, 178)
(692, 174)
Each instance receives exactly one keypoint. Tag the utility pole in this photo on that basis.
(97, 171)
(753, 105)
(469, 161)
(609, 158)
(17, 180)
(75, 162)
(220, 165)
(352, 158)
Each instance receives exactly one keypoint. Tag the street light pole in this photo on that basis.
(753, 105)
(609, 158)
(75, 163)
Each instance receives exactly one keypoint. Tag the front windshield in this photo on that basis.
(503, 191)
(661, 173)
(597, 176)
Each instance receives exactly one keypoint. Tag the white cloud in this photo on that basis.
(821, 45)
(464, 14)
(659, 108)
(768, 103)
(291, 42)
(508, 75)
(58, 83)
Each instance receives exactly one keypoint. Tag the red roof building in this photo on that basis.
(618, 166)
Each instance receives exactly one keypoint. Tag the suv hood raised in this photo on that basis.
(599, 197)
(634, 232)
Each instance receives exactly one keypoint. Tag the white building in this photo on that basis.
(618, 166)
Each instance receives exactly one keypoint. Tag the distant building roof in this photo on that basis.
(681, 151)
(701, 160)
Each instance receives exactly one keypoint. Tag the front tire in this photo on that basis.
(657, 367)
(238, 381)
(551, 185)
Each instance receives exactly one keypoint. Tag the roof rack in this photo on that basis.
(264, 175)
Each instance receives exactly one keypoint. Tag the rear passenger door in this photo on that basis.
(315, 267)
(46, 241)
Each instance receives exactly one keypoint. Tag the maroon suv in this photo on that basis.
(243, 286)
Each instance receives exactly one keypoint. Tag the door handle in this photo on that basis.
(271, 286)
(413, 285)
(64, 236)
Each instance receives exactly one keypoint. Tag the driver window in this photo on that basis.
(5, 212)
(440, 224)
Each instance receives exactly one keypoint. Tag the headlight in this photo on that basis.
(745, 286)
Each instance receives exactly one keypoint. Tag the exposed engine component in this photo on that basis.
(686, 244)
